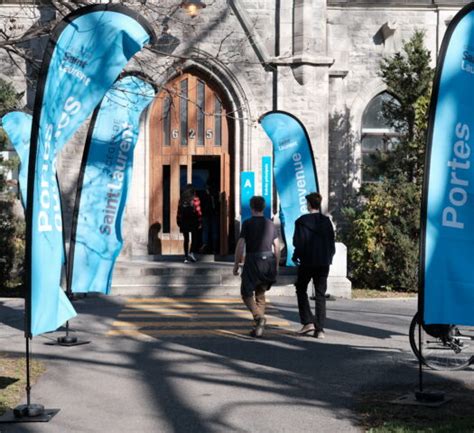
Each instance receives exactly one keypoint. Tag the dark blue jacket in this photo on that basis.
(314, 240)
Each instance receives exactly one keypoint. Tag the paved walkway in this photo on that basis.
(185, 317)
(188, 365)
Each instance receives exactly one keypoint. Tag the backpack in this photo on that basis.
(189, 216)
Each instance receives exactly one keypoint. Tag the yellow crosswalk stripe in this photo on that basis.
(190, 310)
(158, 314)
(180, 307)
(191, 315)
(192, 324)
(192, 332)
(184, 300)
(194, 317)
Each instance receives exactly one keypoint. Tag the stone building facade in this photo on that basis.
(316, 59)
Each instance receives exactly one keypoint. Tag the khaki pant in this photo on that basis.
(256, 303)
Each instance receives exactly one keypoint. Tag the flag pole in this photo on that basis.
(68, 340)
(420, 363)
(29, 412)
(420, 394)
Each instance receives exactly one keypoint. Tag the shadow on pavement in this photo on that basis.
(205, 384)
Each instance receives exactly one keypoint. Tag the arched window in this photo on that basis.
(377, 136)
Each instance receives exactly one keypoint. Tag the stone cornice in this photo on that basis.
(385, 6)
(338, 74)
(301, 60)
(397, 3)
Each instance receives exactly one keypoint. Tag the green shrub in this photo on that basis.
(383, 237)
(383, 221)
(11, 225)
(12, 246)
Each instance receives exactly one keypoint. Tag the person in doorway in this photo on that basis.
(258, 237)
(314, 249)
(189, 221)
(210, 220)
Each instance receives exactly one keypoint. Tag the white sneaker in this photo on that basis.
(306, 329)
(261, 322)
(186, 259)
(191, 258)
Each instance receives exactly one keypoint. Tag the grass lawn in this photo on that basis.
(13, 379)
(367, 294)
(380, 416)
(12, 291)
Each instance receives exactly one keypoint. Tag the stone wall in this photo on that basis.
(316, 59)
(360, 34)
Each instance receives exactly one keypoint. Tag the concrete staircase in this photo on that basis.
(210, 276)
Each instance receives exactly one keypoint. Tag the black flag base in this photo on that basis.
(28, 413)
(423, 398)
(430, 396)
(29, 410)
(68, 340)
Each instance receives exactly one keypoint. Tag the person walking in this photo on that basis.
(314, 249)
(258, 236)
(188, 219)
(210, 220)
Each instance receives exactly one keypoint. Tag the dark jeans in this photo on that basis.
(319, 275)
(194, 242)
(210, 233)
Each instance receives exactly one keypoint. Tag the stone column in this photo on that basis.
(304, 80)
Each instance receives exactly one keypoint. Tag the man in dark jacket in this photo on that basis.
(314, 249)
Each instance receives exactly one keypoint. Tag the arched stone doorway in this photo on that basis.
(189, 143)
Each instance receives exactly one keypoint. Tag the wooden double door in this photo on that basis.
(189, 143)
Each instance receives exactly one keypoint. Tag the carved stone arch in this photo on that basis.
(357, 109)
(361, 101)
(236, 91)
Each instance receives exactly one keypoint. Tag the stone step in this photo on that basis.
(179, 258)
(192, 291)
(210, 276)
(185, 270)
(171, 274)
(189, 280)
(202, 267)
